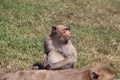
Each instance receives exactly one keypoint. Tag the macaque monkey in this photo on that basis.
(59, 52)
(99, 73)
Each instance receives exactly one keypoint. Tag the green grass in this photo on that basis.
(95, 28)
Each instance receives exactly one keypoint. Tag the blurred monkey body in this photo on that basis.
(59, 52)
(99, 73)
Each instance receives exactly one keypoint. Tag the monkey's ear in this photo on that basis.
(54, 29)
(95, 75)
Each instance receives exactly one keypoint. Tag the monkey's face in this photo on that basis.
(62, 32)
(66, 35)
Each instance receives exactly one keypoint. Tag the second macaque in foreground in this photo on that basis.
(97, 73)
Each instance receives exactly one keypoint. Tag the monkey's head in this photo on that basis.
(61, 32)
(102, 74)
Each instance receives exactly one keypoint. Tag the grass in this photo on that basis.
(95, 28)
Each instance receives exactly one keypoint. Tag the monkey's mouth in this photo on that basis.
(68, 38)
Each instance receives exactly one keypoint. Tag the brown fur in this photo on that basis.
(67, 74)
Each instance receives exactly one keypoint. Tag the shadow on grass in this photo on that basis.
(38, 66)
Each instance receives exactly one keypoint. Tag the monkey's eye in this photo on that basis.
(67, 29)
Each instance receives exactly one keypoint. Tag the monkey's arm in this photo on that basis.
(44, 59)
(68, 62)
(70, 59)
(47, 48)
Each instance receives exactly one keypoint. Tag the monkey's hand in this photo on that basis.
(45, 60)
